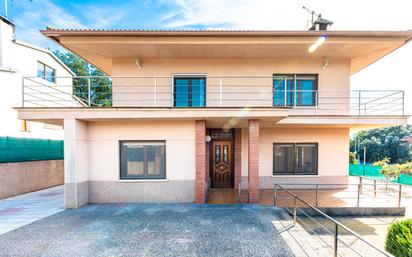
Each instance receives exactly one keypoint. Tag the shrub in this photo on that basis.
(391, 171)
(406, 168)
(352, 158)
(382, 162)
(399, 239)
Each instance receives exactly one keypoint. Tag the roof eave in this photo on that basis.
(62, 32)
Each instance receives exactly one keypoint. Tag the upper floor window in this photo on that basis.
(189, 91)
(46, 72)
(294, 90)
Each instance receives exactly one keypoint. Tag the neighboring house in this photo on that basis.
(407, 139)
(17, 60)
(194, 110)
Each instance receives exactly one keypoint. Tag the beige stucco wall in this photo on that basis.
(93, 169)
(92, 159)
(103, 150)
(103, 146)
(236, 91)
(333, 154)
(22, 177)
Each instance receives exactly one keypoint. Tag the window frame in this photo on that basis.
(44, 68)
(123, 170)
(189, 90)
(295, 159)
(295, 77)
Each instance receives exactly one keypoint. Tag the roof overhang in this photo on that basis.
(100, 47)
(215, 117)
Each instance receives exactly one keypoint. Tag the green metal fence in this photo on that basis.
(374, 172)
(14, 149)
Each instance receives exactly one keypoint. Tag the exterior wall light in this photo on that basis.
(138, 63)
(325, 64)
(318, 43)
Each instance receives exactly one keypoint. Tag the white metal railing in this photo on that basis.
(226, 91)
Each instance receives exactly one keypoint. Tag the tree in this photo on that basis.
(384, 142)
(100, 84)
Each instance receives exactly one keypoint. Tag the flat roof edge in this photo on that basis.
(74, 32)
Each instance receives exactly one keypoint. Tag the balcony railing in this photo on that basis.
(239, 92)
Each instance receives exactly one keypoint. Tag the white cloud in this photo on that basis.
(39, 14)
(274, 14)
(102, 17)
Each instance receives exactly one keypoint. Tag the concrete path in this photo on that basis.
(151, 230)
(24, 209)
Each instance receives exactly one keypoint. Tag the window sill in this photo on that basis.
(305, 106)
(142, 180)
(294, 176)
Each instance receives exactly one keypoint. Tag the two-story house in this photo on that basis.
(194, 110)
(19, 59)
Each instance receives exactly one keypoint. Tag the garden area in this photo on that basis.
(399, 173)
(386, 154)
(382, 154)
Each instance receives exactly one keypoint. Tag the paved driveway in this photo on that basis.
(151, 230)
(23, 209)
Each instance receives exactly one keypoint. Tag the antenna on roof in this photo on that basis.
(319, 23)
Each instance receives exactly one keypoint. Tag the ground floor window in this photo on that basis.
(295, 159)
(142, 160)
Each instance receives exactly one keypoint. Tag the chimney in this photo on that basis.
(321, 24)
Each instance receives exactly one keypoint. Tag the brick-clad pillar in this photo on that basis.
(200, 141)
(238, 156)
(253, 161)
(207, 162)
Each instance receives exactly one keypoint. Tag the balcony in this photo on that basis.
(201, 91)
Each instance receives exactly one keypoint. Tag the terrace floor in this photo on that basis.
(151, 230)
(335, 197)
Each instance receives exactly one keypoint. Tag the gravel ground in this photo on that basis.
(150, 230)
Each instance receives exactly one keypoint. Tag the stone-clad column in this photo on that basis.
(253, 161)
(200, 141)
(75, 163)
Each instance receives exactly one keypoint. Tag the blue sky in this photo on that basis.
(30, 16)
(391, 72)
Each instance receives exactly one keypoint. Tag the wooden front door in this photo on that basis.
(222, 168)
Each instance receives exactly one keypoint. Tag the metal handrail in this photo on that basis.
(358, 191)
(336, 223)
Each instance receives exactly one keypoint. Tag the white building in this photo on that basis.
(17, 60)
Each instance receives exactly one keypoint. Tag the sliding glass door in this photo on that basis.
(294, 90)
(189, 91)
